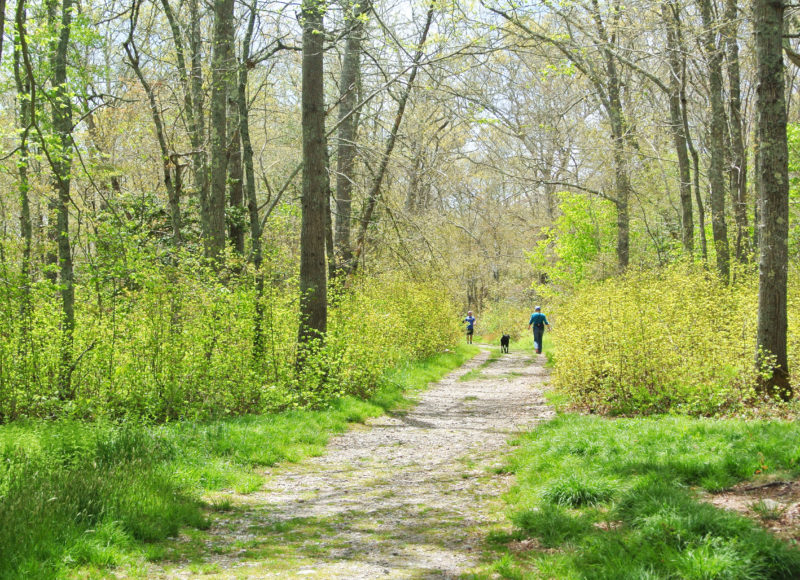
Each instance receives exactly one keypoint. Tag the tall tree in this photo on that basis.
(197, 125)
(25, 99)
(222, 70)
(169, 162)
(391, 139)
(671, 15)
(313, 274)
(717, 129)
(601, 66)
(349, 84)
(738, 161)
(60, 158)
(773, 190)
(236, 224)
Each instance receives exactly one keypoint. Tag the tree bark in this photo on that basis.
(197, 129)
(221, 65)
(313, 275)
(25, 99)
(698, 196)
(773, 188)
(738, 168)
(716, 175)
(236, 225)
(348, 129)
(2, 25)
(671, 15)
(616, 117)
(256, 256)
(61, 161)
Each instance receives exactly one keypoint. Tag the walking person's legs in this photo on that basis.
(537, 339)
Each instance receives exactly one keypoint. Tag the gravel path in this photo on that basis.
(409, 495)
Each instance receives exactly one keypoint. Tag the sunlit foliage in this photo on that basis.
(161, 341)
(670, 340)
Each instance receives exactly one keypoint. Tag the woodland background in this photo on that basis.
(233, 207)
(229, 228)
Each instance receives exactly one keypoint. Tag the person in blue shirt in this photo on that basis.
(470, 320)
(538, 321)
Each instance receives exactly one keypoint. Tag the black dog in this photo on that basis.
(504, 340)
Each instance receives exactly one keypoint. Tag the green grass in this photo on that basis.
(619, 499)
(89, 497)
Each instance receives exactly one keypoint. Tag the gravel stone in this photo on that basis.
(410, 495)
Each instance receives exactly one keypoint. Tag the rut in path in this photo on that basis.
(408, 495)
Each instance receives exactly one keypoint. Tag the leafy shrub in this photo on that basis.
(166, 342)
(579, 245)
(675, 339)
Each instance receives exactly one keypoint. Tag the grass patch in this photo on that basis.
(618, 499)
(88, 497)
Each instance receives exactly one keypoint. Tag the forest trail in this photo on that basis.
(409, 495)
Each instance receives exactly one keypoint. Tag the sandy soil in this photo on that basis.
(410, 495)
(774, 504)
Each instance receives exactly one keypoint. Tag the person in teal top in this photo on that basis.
(538, 321)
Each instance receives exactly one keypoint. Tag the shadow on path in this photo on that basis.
(411, 495)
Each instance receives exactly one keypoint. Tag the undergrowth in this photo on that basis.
(671, 340)
(76, 496)
(165, 343)
(620, 498)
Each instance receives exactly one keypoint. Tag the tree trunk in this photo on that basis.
(348, 129)
(2, 25)
(236, 224)
(621, 178)
(773, 188)
(616, 118)
(701, 212)
(716, 175)
(671, 17)
(313, 278)
(61, 160)
(197, 130)
(622, 196)
(221, 71)
(26, 107)
(738, 168)
(250, 185)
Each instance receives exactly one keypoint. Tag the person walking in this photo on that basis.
(470, 320)
(538, 321)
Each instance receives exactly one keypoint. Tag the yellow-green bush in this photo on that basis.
(669, 340)
(167, 342)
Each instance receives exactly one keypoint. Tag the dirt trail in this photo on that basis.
(410, 495)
